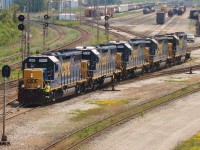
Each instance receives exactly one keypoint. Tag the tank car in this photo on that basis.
(170, 13)
(146, 11)
(180, 11)
(175, 10)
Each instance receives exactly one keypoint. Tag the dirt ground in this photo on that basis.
(36, 129)
(161, 129)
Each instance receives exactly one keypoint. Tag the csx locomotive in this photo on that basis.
(53, 75)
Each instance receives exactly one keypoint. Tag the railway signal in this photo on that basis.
(46, 17)
(107, 27)
(45, 27)
(22, 28)
(5, 75)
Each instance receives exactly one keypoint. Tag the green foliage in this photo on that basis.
(35, 5)
(102, 2)
(190, 144)
(8, 27)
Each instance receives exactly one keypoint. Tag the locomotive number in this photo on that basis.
(42, 60)
(31, 60)
(32, 81)
(86, 53)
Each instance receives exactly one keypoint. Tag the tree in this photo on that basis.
(102, 2)
(35, 5)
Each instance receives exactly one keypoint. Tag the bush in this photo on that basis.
(8, 28)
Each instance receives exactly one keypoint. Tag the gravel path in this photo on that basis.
(161, 129)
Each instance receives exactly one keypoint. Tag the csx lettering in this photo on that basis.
(32, 81)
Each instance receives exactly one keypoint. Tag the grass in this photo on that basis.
(15, 74)
(104, 106)
(117, 15)
(107, 102)
(82, 134)
(191, 144)
(175, 79)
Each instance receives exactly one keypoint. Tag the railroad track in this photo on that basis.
(83, 38)
(145, 76)
(60, 36)
(116, 119)
(163, 73)
(18, 111)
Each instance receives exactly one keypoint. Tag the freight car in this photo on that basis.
(164, 9)
(148, 10)
(181, 10)
(194, 14)
(123, 8)
(160, 17)
(170, 13)
(175, 10)
(53, 75)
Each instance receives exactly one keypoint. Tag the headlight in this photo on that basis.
(22, 86)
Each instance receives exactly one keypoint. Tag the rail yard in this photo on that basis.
(137, 90)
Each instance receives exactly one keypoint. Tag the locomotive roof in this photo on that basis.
(173, 36)
(52, 58)
(89, 48)
(67, 52)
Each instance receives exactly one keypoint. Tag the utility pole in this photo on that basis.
(70, 10)
(28, 27)
(105, 14)
(97, 17)
(80, 7)
(47, 33)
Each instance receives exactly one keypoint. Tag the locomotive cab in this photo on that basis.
(125, 49)
(150, 44)
(174, 40)
(37, 73)
(91, 57)
(183, 44)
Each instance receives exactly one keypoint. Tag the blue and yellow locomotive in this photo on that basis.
(53, 75)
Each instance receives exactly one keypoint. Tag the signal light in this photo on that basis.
(21, 18)
(106, 25)
(106, 17)
(21, 27)
(46, 24)
(46, 17)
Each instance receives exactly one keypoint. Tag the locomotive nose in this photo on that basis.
(33, 78)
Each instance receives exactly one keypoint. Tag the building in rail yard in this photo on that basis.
(68, 4)
(188, 2)
(4, 4)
